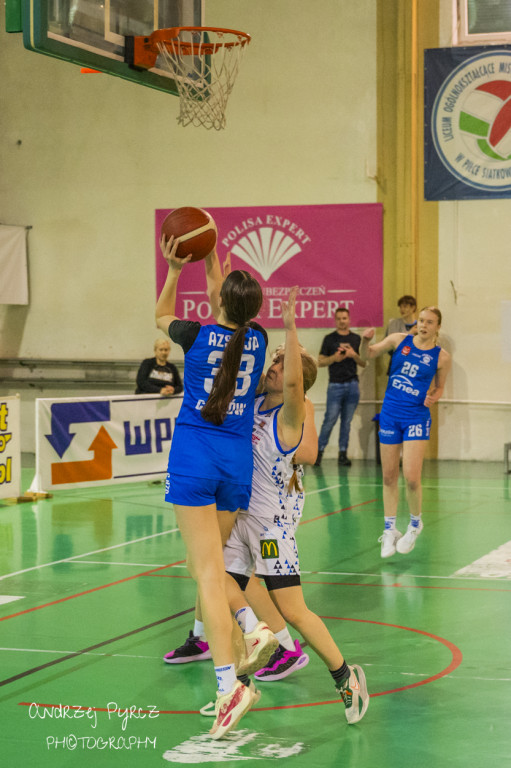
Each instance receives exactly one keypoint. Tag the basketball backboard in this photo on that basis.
(91, 33)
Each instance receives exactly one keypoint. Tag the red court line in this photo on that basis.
(337, 511)
(89, 591)
(457, 658)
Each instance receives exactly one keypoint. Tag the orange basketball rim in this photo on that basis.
(202, 61)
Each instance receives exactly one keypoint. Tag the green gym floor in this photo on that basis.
(93, 593)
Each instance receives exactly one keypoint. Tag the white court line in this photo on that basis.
(110, 562)
(395, 576)
(434, 487)
(365, 664)
(4, 599)
(495, 564)
(86, 554)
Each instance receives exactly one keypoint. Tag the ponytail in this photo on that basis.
(224, 385)
(294, 484)
(242, 298)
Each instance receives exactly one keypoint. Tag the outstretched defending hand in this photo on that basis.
(288, 309)
(226, 267)
(368, 334)
(169, 248)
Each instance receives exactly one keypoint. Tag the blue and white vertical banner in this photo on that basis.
(83, 442)
(10, 447)
(467, 131)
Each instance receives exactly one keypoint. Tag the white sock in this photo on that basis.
(415, 520)
(246, 618)
(198, 629)
(390, 523)
(285, 639)
(225, 678)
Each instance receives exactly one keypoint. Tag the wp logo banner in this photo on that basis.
(333, 252)
(102, 440)
(467, 123)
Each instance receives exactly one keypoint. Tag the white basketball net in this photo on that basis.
(204, 64)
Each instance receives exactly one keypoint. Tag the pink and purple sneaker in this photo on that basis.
(194, 649)
(283, 663)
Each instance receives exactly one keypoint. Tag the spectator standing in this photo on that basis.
(404, 324)
(339, 351)
(156, 375)
(407, 323)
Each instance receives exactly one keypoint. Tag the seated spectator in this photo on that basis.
(157, 375)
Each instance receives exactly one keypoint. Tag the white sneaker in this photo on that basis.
(407, 542)
(259, 647)
(354, 694)
(208, 710)
(229, 709)
(388, 541)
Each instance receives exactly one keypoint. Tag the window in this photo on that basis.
(482, 22)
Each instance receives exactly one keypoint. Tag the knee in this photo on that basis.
(412, 484)
(390, 478)
(294, 615)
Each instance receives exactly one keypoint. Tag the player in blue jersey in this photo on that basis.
(417, 375)
(210, 462)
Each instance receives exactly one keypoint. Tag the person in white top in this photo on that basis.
(263, 537)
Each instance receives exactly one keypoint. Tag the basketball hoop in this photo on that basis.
(204, 63)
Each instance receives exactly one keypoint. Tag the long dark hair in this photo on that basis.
(241, 298)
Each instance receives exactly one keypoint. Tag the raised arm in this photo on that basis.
(215, 276)
(388, 344)
(437, 389)
(292, 414)
(166, 304)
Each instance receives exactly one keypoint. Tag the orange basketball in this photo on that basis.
(195, 229)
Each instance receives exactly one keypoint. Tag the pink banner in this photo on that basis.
(333, 252)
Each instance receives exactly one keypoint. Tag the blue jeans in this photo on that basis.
(341, 400)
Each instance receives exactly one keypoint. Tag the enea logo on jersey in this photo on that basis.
(406, 351)
(471, 122)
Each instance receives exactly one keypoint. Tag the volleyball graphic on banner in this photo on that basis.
(486, 119)
(467, 123)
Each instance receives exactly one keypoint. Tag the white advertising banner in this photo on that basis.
(93, 441)
(10, 447)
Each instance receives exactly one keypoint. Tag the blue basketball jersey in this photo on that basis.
(200, 448)
(411, 372)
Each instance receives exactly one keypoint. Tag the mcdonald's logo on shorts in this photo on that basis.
(269, 549)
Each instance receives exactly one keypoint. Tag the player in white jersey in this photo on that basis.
(263, 537)
(418, 371)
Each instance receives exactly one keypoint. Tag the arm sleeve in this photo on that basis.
(184, 333)
(261, 330)
(143, 385)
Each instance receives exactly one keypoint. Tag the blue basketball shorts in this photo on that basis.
(202, 491)
(395, 430)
